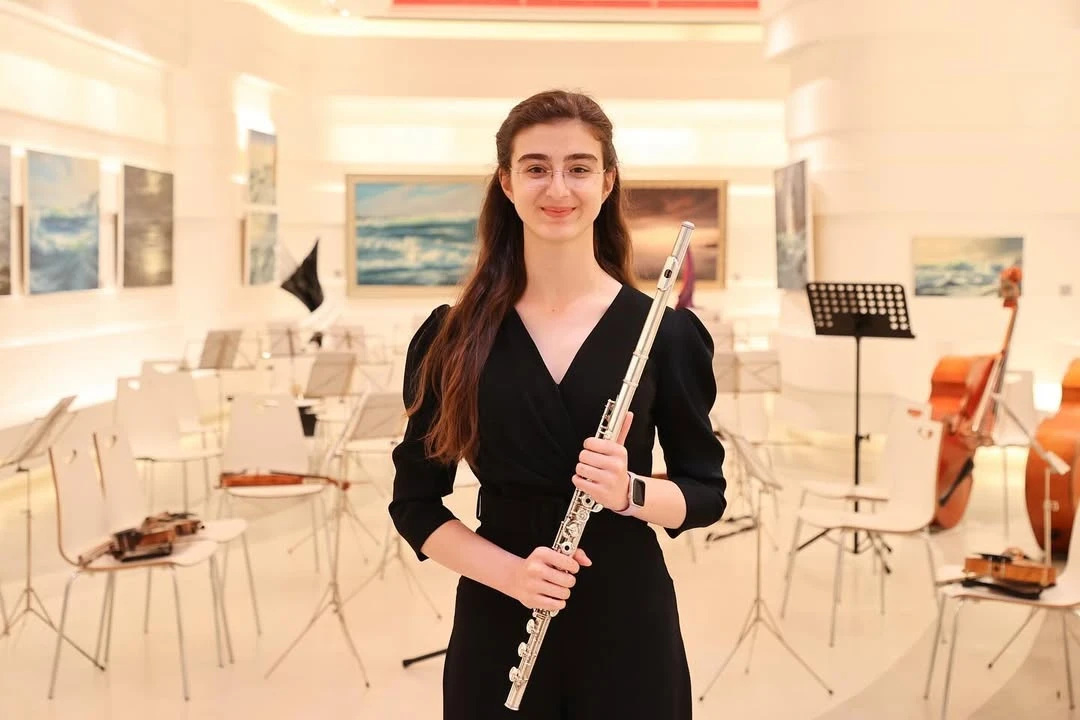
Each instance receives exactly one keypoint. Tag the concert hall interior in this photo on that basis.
(273, 196)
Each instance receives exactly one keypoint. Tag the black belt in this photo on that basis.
(531, 514)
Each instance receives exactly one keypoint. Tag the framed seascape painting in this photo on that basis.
(147, 228)
(262, 168)
(794, 227)
(949, 266)
(5, 220)
(260, 248)
(410, 232)
(655, 211)
(63, 223)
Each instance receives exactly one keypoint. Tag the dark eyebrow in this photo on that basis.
(572, 156)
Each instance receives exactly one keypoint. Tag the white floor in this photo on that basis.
(877, 668)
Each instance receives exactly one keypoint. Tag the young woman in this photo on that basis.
(513, 379)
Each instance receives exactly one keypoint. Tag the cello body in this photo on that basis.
(956, 386)
(961, 388)
(1059, 434)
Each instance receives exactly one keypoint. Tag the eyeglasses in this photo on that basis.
(577, 176)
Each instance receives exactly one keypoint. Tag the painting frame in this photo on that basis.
(792, 195)
(248, 235)
(947, 265)
(125, 223)
(8, 238)
(30, 208)
(262, 168)
(355, 288)
(717, 280)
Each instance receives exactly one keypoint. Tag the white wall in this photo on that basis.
(173, 87)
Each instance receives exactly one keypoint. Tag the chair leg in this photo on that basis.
(934, 645)
(146, 610)
(1014, 636)
(314, 533)
(251, 585)
(106, 600)
(60, 632)
(4, 616)
(1068, 663)
(930, 559)
(180, 634)
(836, 587)
(952, 654)
(217, 600)
(791, 563)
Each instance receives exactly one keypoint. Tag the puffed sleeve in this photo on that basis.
(420, 484)
(686, 391)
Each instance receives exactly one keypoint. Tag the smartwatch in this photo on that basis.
(637, 490)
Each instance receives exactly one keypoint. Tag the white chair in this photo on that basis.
(1063, 598)
(125, 501)
(865, 492)
(84, 522)
(154, 432)
(1018, 392)
(266, 435)
(910, 466)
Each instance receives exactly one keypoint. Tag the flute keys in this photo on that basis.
(514, 675)
(530, 627)
(566, 547)
(522, 649)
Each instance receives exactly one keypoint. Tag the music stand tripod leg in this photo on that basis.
(759, 613)
(331, 598)
(28, 590)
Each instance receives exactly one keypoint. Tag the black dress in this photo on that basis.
(616, 650)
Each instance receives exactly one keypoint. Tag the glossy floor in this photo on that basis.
(877, 668)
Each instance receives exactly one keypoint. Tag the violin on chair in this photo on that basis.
(961, 392)
(1059, 434)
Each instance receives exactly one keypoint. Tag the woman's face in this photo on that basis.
(557, 180)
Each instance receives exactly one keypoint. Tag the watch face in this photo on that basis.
(637, 490)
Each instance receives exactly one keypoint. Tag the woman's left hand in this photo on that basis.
(601, 470)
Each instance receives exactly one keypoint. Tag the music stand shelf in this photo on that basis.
(858, 310)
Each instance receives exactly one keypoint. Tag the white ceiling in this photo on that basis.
(311, 14)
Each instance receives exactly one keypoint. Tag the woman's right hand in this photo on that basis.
(542, 581)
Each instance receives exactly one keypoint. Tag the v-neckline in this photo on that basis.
(539, 356)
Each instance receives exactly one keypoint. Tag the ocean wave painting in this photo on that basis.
(261, 248)
(262, 168)
(655, 213)
(63, 222)
(414, 232)
(148, 227)
(5, 220)
(963, 266)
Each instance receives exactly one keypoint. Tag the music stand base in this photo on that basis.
(410, 577)
(760, 615)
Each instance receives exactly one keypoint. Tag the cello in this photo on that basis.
(961, 389)
(1059, 434)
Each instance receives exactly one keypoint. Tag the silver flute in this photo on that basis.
(581, 505)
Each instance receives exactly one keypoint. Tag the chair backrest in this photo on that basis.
(265, 433)
(125, 503)
(178, 391)
(143, 409)
(81, 516)
(1018, 391)
(909, 463)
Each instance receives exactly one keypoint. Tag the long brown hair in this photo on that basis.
(453, 363)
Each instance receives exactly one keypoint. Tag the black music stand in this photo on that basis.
(858, 310)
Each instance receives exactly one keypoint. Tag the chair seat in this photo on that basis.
(889, 522)
(182, 455)
(845, 491)
(276, 491)
(222, 531)
(185, 554)
(1065, 594)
